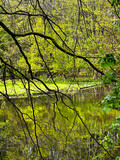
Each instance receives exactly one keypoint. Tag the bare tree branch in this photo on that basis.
(49, 38)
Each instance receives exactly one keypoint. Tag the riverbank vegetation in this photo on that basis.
(18, 89)
(55, 48)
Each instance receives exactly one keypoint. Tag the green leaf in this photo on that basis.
(118, 118)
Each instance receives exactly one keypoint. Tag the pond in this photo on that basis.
(56, 127)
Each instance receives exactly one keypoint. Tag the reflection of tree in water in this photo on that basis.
(99, 92)
(91, 94)
(68, 139)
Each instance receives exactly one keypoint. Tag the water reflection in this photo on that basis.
(61, 135)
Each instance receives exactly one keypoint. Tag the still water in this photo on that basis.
(52, 124)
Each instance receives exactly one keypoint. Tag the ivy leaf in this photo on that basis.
(115, 2)
(108, 60)
(118, 118)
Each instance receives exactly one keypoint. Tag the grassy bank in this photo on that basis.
(19, 89)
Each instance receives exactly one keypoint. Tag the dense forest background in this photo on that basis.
(58, 40)
(85, 30)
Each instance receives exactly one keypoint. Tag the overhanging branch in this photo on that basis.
(53, 41)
